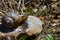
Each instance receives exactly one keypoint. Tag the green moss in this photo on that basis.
(23, 37)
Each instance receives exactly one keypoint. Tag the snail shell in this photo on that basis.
(13, 15)
(34, 25)
(16, 17)
(7, 22)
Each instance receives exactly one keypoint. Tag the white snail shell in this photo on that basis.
(34, 25)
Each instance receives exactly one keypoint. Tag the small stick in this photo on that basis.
(19, 4)
(1, 14)
(4, 4)
(10, 4)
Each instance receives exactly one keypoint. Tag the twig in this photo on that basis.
(1, 14)
(27, 2)
(10, 2)
(19, 4)
(22, 6)
(4, 4)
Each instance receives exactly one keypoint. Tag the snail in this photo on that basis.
(12, 20)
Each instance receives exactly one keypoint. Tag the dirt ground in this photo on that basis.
(47, 10)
